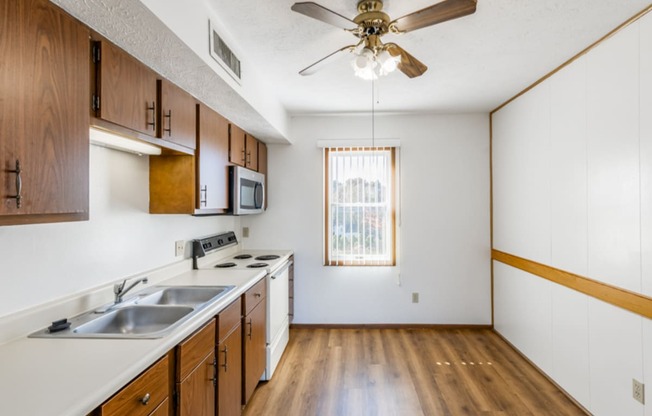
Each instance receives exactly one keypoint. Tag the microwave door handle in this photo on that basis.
(259, 198)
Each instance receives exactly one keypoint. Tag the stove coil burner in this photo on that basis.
(242, 256)
(257, 265)
(225, 265)
(268, 257)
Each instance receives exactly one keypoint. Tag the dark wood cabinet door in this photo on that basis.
(237, 140)
(229, 375)
(251, 148)
(254, 349)
(196, 393)
(213, 160)
(44, 116)
(262, 158)
(127, 90)
(178, 120)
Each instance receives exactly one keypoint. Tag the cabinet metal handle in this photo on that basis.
(169, 117)
(153, 110)
(145, 399)
(257, 295)
(244, 157)
(19, 185)
(226, 361)
(251, 328)
(203, 195)
(214, 379)
(248, 158)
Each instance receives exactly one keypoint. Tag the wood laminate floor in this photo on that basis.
(405, 372)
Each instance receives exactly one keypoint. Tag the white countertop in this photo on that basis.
(60, 377)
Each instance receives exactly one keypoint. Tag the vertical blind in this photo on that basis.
(359, 211)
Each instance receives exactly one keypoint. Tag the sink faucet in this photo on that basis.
(120, 291)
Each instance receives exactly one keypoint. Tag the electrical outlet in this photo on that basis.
(638, 391)
(179, 248)
(245, 232)
(415, 297)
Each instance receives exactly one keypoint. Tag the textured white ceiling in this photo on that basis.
(475, 62)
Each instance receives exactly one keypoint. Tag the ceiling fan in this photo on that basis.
(373, 57)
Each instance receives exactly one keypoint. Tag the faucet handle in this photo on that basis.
(118, 287)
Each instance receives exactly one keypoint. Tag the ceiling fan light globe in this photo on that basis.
(367, 73)
(361, 62)
(387, 62)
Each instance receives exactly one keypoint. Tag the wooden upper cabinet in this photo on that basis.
(212, 159)
(262, 158)
(126, 91)
(177, 115)
(237, 143)
(44, 118)
(251, 150)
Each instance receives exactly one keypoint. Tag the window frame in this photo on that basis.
(391, 201)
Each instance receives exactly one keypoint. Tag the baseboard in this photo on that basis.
(389, 326)
(543, 373)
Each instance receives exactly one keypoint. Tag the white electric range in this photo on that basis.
(222, 251)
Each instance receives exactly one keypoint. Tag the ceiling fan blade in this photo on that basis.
(438, 13)
(327, 60)
(323, 14)
(409, 65)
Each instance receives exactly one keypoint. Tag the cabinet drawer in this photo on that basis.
(253, 296)
(162, 410)
(142, 395)
(228, 319)
(193, 349)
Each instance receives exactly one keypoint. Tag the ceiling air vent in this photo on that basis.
(224, 56)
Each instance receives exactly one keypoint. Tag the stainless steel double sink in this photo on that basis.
(152, 313)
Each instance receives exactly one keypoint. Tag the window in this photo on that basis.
(359, 209)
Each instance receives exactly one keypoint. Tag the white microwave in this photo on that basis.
(247, 190)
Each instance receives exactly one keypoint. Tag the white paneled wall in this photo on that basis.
(526, 320)
(572, 188)
(521, 203)
(613, 164)
(647, 361)
(616, 353)
(570, 342)
(646, 151)
(568, 215)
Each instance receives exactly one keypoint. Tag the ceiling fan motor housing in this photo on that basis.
(371, 21)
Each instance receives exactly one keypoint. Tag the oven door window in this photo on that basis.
(251, 194)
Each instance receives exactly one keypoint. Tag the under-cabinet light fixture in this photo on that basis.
(106, 139)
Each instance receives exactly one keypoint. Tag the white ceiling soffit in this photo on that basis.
(133, 27)
(475, 63)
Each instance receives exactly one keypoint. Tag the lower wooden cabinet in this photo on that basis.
(253, 338)
(229, 361)
(195, 375)
(212, 372)
(163, 409)
(142, 396)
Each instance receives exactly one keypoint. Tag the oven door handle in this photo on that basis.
(282, 269)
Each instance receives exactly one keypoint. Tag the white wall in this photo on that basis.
(41, 263)
(444, 228)
(572, 160)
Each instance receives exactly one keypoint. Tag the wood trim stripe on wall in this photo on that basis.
(631, 301)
